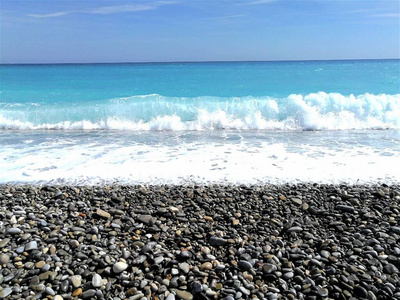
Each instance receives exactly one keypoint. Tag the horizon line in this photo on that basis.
(193, 61)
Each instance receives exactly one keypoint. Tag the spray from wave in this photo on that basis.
(315, 111)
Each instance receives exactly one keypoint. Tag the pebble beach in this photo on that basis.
(303, 241)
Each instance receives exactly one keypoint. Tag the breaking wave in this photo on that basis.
(315, 111)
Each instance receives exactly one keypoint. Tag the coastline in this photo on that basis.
(303, 241)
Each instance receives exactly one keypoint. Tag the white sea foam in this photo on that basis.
(248, 161)
(316, 111)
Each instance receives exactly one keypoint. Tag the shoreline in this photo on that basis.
(287, 241)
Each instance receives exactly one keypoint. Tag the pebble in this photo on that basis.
(4, 293)
(76, 280)
(31, 246)
(4, 259)
(184, 295)
(97, 281)
(303, 241)
(119, 267)
(206, 266)
(217, 241)
(269, 268)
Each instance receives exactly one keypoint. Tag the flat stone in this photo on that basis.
(297, 201)
(49, 291)
(97, 281)
(245, 265)
(170, 297)
(4, 242)
(119, 267)
(184, 295)
(77, 292)
(323, 292)
(361, 292)
(74, 243)
(5, 292)
(13, 230)
(31, 246)
(103, 214)
(147, 219)
(269, 268)
(76, 280)
(345, 208)
(4, 259)
(88, 294)
(185, 267)
(206, 266)
(390, 269)
(295, 229)
(217, 241)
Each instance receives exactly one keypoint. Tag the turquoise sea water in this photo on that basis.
(239, 122)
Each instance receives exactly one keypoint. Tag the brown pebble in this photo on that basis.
(40, 264)
(206, 266)
(77, 292)
(207, 218)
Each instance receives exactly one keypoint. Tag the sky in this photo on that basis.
(89, 31)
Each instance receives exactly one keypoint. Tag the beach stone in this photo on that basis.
(345, 208)
(40, 264)
(269, 268)
(119, 267)
(97, 281)
(206, 266)
(390, 269)
(217, 241)
(77, 292)
(170, 297)
(4, 259)
(361, 292)
(58, 297)
(31, 246)
(14, 230)
(295, 229)
(4, 242)
(74, 243)
(147, 219)
(88, 294)
(184, 267)
(297, 201)
(103, 214)
(76, 280)
(323, 292)
(184, 295)
(245, 265)
(49, 291)
(4, 293)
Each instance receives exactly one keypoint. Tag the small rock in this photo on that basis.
(76, 280)
(184, 295)
(5, 292)
(31, 246)
(103, 214)
(345, 208)
(97, 281)
(4, 259)
(217, 241)
(206, 266)
(119, 267)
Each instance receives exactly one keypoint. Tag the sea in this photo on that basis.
(201, 123)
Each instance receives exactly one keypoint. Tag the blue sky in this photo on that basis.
(195, 30)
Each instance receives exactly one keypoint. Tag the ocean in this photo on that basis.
(201, 123)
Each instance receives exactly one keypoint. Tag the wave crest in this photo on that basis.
(315, 111)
